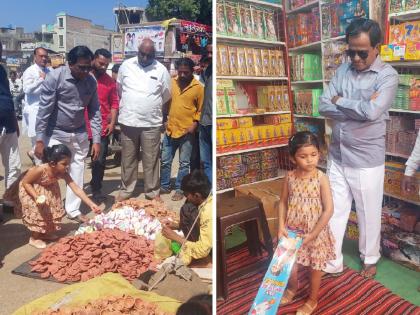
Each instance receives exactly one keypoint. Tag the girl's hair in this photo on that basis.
(56, 153)
(197, 305)
(302, 139)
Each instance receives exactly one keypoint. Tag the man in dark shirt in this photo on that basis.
(205, 126)
(9, 132)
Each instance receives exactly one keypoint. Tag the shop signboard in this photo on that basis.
(135, 35)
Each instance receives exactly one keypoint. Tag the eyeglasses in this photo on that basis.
(363, 54)
(84, 68)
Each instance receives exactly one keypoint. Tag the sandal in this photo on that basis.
(288, 296)
(177, 196)
(40, 244)
(306, 309)
(368, 271)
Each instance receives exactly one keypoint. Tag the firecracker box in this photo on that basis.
(394, 173)
(245, 122)
(226, 123)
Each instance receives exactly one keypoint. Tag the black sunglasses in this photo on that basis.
(363, 54)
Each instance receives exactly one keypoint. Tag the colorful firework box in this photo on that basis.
(275, 280)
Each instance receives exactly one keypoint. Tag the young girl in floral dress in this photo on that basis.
(37, 195)
(306, 205)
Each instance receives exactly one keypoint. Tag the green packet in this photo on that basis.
(175, 246)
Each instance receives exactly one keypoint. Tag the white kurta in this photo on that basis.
(32, 82)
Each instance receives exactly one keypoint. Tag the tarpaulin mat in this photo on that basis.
(109, 284)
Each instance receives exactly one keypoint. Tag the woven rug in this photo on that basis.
(347, 294)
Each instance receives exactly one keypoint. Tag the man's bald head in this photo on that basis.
(146, 54)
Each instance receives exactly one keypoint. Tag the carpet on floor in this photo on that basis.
(346, 294)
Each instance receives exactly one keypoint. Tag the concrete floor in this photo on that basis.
(15, 290)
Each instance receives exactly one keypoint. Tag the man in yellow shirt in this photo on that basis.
(183, 118)
(196, 187)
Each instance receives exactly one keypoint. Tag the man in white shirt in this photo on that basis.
(408, 183)
(32, 81)
(16, 89)
(144, 88)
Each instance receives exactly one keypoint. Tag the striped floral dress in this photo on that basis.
(304, 211)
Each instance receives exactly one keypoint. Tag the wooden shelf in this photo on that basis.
(252, 149)
(402, 198)
(405, 16)
(260, 181)
(252, 114)
(253, 41)
(396, 110)
(247, 78)
(268, 4)
(310, 117)
(397, 155)
(304, 8)
(308, 47)
(405, 63)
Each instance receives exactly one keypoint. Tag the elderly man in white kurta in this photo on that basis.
(144, 87)
(32, 80)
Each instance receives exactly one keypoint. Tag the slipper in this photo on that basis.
(177, 196)
(306, 309)
(40, 244)
(288, 296)
(368, 271)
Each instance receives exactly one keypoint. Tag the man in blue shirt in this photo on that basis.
(357, 101)
(9, 132)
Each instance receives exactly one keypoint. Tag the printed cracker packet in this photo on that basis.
(246, 20)
(221, 19)
(275, 280)
(258, 22)
(232, 19)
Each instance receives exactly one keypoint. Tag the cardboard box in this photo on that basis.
(226, 123)
(245, 122)
(269, 195)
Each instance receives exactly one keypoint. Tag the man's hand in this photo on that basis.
(192, 128)
(109, 129)
(335, 99)
(408, 184)
(42, 74)
(39, 149)
(171, 234)
(96, 148)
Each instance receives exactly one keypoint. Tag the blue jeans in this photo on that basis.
(206, 155)
(169, 147)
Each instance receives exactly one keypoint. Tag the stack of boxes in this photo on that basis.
(337, 15)
(241, 133)
(247, 61)
(225, 97)
(400, 239)
(400, 135)
(240, 169)
(273, 98)
(394, 173)
(304, 28)
(306, 67)
(307, 101)
(396, 6)
(244, 20)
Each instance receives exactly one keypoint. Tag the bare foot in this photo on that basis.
(307, 308)
(37, 243)
(368, 271)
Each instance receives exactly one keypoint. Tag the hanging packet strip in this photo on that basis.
(275, 280)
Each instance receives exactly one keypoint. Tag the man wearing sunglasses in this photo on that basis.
(65, 93)
(357, 101)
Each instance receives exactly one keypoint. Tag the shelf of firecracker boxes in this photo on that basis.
(242, 133)
(266, 98)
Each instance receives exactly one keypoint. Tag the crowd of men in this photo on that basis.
(79, 105)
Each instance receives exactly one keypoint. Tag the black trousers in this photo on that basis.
(98, 166)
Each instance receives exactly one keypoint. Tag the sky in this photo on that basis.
(31, 14)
